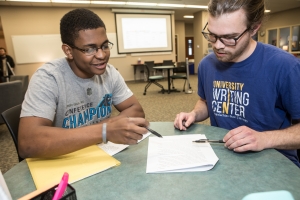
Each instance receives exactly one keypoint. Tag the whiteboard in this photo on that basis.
(36, 48)
(44, 48)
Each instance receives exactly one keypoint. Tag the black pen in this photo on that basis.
(153, 132)
(208, 141)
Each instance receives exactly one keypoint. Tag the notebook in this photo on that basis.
(79, 164)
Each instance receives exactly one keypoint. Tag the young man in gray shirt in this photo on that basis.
(69, 101)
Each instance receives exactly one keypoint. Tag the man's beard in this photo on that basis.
(232, 56)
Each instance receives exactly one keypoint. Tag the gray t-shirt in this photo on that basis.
(57, 94)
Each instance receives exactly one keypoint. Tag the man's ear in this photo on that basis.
(254, 29)
(67, 50)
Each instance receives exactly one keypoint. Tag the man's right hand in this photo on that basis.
(184, 120)
(126, 130)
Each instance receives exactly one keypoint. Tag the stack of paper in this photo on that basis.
(79, 164)
(179, 154)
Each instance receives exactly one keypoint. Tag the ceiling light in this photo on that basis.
(267, 11)
(141, 4)
(30, 0)
(188, 16)
(195, 6)
(109, 2)
(171, 5)
(70, 1)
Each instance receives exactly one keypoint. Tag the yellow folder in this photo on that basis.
(79, 164)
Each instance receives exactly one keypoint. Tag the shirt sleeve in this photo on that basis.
(41, 97)
(121, 92)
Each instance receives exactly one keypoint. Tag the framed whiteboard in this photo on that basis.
(44, 48)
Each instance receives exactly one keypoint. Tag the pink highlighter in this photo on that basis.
(61, 187)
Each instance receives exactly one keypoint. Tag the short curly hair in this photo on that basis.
(77, 20)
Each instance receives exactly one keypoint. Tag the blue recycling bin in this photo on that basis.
(191, 68)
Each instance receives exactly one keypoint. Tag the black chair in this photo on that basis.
(11, 118)
(179, 72)
(167, 62)
(11, 94)
(152, 79)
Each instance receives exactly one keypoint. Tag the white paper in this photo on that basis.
(179, 154)
(4, 192)
(112, 148)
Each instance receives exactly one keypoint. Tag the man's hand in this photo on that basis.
(184, 120)
(243, 139)
(126, 130)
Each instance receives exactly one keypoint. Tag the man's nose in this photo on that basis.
(100, 53)
(219, 45)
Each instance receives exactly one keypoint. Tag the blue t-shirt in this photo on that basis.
(261, 92)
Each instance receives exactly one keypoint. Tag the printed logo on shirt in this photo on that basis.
(89, 91)
(229, 100)
(83, 114)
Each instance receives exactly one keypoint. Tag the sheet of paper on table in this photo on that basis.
(112, 148)
(179, 153)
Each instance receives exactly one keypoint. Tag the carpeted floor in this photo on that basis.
(157, 106)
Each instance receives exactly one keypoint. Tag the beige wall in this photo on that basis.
(189, 30)
(200, 44)
(45, 20)
(280, 19)
(180, 32)
(2, 43)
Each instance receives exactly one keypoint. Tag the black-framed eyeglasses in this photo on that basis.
(225, 40)
(89, 51)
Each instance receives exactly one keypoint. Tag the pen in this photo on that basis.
(61, 187)
(209, 141)
(153, 132)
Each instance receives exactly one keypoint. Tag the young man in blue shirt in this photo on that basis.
(248, 87)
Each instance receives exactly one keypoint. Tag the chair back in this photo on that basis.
(24, 79)
(11, 118)
(148, 65)
(167, 62)
(181, 68)
(10, 95)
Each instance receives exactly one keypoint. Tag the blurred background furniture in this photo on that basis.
(140, 67)
(24, 79)
(167, 62)
(152, 79)
(11, 95)
(168, 68)
(11, 118)
(179, 72)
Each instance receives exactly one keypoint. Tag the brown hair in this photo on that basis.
(254, 9)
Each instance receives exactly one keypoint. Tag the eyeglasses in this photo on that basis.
(89, 51)
(225, 40)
